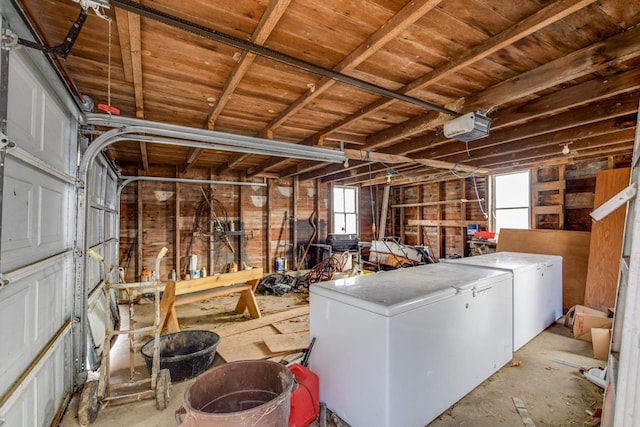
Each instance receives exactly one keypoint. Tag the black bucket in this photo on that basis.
(185, 354)
(247, 393)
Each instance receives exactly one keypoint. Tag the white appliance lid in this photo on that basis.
(392, 292)
(507, 260)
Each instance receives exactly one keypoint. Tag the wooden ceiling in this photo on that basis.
(552, 73)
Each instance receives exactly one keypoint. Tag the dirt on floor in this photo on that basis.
(553, 393)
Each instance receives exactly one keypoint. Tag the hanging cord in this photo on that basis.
(109, 70)
(475, 187)
(107, 108)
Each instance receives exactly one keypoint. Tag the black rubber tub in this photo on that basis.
(186, 354)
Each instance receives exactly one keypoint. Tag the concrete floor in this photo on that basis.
(554, 394)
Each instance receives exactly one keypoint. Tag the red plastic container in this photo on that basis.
(305, 403)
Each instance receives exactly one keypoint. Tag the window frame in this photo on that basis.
(494, 209)
(335, 212)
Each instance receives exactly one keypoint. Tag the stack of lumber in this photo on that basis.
(273, 335)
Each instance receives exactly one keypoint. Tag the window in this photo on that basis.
(345, 210)
(511, 201)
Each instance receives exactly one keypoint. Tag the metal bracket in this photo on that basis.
(63, 48)
(3, 281)
(9, 39)
(5, 143)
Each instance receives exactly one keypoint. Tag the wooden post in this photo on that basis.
(443, 247)
(383, 212)
(463, 215)
(241, 237)
(269, 266)
(140, 232)
(419, 214)
(293, 224)
(176, 245)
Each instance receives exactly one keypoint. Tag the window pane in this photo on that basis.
(338, 223)
(338, 200)
(350, 200)
(512, 218)
(512, 190)
(351, 225)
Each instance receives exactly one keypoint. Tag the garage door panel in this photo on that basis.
(33, 306)
(50, 306)
(55, 141)
(98, 176)
(23, 114)
(111, 190)
(110, 226)
(51, 224)
(15, 310)
(95, 226)
(17, 224)
(36, 122)
(37, 400)
(34, 225)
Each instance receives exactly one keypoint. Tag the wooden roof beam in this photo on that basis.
(548, 129)
(608, 54)
(265, 27)
(131, 50)
(550, 14)
(399, 22)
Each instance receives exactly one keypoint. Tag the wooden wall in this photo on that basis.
(265, 220)
(567, 192)
(276, 218)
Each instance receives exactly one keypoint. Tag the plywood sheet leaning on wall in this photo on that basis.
(572, 246)
(606, 242)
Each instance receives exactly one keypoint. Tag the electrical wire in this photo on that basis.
(475, 186)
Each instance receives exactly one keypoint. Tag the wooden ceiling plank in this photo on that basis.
(552, 149)
(300, 168)
(135, 45)
(544, 17)
(576, 96)
(346, 137)
(393, 158)
(599, 56)
(269, 20)
(398, 23)
(331, 169)
(136, 62)
(122, 22)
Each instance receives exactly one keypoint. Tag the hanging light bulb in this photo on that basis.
(565, 148)
(388, 177)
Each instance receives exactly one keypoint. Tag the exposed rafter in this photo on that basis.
(535, 22)
(269, 20)
(390, 30)
(131, 49)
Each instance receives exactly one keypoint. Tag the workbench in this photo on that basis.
(182, 292)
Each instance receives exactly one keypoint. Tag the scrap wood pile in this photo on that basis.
(280, 284)
(274, 336)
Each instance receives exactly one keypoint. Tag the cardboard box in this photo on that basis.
(585, 318)
(601, 340)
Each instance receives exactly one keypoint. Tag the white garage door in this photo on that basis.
(36, 257)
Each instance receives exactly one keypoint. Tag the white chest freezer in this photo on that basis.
(398, 348)
(537, 289)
